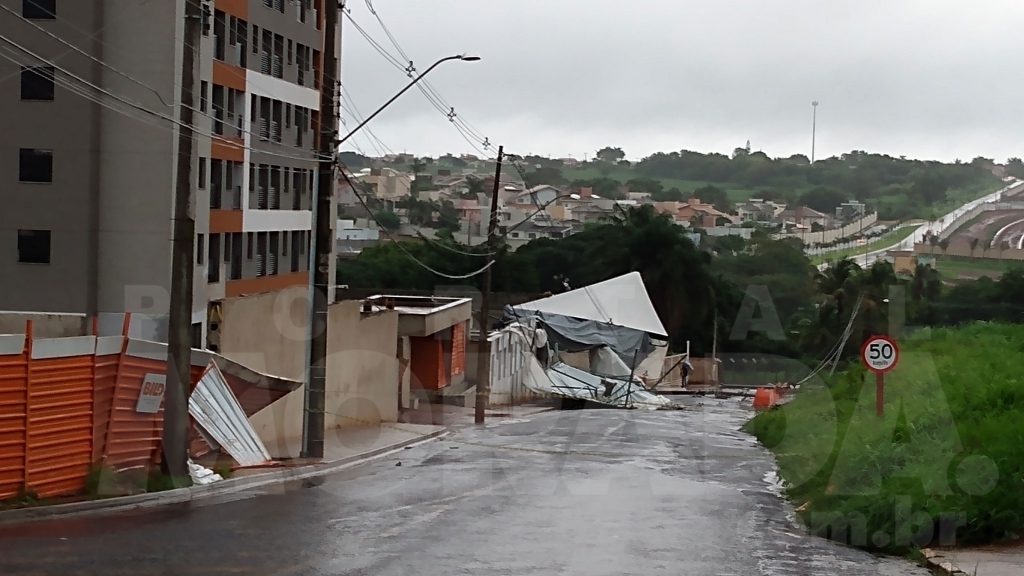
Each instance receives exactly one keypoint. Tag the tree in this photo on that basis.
(448, 216)
(475, 186)
(353, 160)
(649, 185)
(388, 220)
(715, 196)
(418, 166)
(603, 187)
(609, 154)
(544, 175)
(1015, 168)
(823, 199)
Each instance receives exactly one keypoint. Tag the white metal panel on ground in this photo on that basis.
(621, 301)
(219, 414)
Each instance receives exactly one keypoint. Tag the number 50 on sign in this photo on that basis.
(880, 354)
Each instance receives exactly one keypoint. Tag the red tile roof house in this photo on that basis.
(693, 212)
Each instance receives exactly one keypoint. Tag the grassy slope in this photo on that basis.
(953, 268)
(951, 443)
(736, 192)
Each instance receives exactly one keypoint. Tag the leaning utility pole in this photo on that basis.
(179, 332)
(313, 435)
(483, 365)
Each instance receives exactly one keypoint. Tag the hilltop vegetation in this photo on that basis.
(898, 188)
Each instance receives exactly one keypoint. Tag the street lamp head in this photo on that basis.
(814, 103)
(468, 58)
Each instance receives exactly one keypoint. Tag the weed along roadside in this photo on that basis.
(944, 465)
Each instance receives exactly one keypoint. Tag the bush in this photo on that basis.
(946, 463)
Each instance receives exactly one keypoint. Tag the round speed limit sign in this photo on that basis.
(880, 353)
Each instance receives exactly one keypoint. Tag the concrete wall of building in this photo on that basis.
(362, 369)
(267, 332)
(45, 325)
(137, 163)
(428, 324)
(68, 126)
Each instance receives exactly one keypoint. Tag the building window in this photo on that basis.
(35, 165)
(199, 249)
(255, 39)
(291, 52)
(37, 82)
(34, 246)
(202, 173)
(203, 85)
(251, 242)
(213, 270)
(39, 9)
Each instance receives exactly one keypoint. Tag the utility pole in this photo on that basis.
(814, 127)
(313, 435)
(179, 332)
(483, 366)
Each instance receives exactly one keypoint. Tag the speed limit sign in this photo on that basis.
(880, 354)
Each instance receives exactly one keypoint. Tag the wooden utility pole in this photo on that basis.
(313, 435)
(179, 332)
(483, 366)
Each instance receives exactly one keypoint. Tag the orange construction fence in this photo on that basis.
(68, 405)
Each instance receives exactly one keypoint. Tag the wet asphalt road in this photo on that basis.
(594, 492)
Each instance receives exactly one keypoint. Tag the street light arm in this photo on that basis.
(403, 91)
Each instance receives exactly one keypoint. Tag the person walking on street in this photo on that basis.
(540, 345)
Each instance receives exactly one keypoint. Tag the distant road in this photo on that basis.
(934, 226)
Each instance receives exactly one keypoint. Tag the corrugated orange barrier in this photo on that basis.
(13, 424)
(133, 438)
(59, 424)
(67, 404)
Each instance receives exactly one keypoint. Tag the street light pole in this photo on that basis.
(483, 370)
(814, 127)
(316, 385)
(415, 80)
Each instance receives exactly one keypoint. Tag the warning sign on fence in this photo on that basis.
(152, 393)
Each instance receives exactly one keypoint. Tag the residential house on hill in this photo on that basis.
(534, 229)
(387, 183)
(758, 210)
(804, 218)
(694, 213)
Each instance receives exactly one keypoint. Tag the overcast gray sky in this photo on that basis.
(933, 79)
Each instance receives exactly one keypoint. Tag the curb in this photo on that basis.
(194, 493)
(936, 562)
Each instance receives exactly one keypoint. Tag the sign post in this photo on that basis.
(879, 354)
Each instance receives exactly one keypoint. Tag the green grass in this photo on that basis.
(945, 465)
(954, 267)
(884, 241)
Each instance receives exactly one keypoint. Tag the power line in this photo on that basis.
(428, 87)
(475, 141)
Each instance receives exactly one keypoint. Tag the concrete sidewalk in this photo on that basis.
(995, 560)
(343, 448)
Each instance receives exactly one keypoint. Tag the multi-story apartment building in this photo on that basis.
(88, 182)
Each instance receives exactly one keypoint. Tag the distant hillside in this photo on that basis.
(898, 188)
